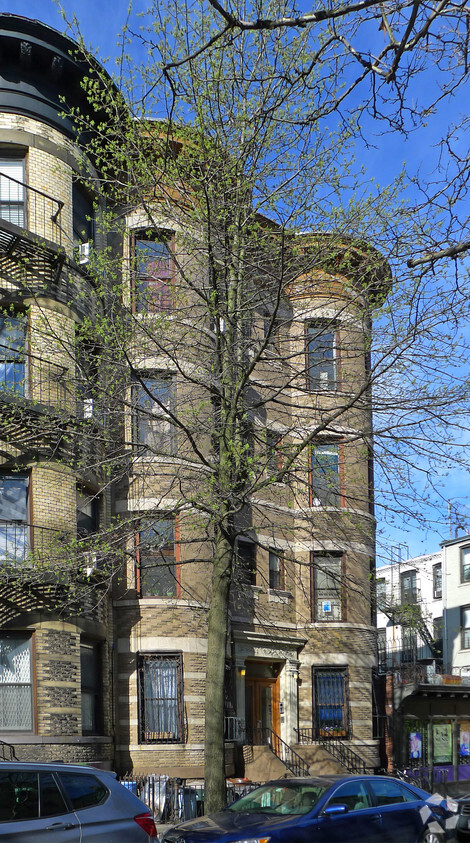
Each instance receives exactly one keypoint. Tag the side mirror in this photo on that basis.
(335, 809)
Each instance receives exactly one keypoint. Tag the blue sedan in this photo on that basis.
(326, 809)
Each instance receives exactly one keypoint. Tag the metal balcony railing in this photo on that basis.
(31, 209)
(40, 381)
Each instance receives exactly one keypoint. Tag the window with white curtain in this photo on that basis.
(161, 697)
(16, 703)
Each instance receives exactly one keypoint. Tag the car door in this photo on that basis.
(33, 807)
(399, 809)
(360, 822)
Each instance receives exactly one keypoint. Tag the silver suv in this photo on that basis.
(63, 803)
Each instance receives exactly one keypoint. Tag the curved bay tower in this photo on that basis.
(55, 697)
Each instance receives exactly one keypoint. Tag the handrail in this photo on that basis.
(340, 751)
(58, 202)
(289, 757)
(7, 747)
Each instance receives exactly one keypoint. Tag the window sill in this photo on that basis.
(279, 595)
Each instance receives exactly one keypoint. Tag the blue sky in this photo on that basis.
(101, 22)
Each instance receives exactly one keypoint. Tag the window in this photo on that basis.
(408, 588)
(90, 671)
(276, 570)
(87, 513)
(389, 792)
(326, 571)
(84, 790)
(437, 634)
(14, 530)
(246, 559)
(465, 627)
(153, 272)
(321, 356)
(381, 593)
(153, 398)
(409, 645)
(325, 478)
(16, 704)
(382, 660)
(273, 452)
(465, 564)
(12, 354)
(83, 219)
(156, 558)
(12, 194)
(437, 581)
(330, 702)
(161, 698)
(354, 795)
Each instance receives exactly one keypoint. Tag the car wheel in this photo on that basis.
(430, 836)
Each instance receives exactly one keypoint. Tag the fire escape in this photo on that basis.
(38, 397)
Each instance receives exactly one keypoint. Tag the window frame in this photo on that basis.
(94, 688)
(174, 564)
(160, 426)
(409, 594)
(464, 630)
(464, 566)
(139, 279)
(437, 581)
(17, 358)
(16, 526)
(321, 728)
(28, 638)
(18, 158)
(161, 736)
(280, 571)
(322, 361)
(381, 593)
(331, 494)
(333, 593)
(247, 567)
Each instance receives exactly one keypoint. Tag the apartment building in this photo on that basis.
(55, 696)
(424, 658)
(125, 684)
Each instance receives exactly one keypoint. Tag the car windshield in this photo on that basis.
(281, 799)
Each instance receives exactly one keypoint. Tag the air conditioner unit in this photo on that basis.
(91, 563)
(83, 253)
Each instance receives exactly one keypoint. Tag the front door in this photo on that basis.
(262, 708)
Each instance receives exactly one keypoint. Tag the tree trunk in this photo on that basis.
(214, 758)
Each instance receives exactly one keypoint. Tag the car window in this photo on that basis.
(84, 790)
(352, 794)
(51, 801)
(285, 798)
(390, 792)
(19, 798)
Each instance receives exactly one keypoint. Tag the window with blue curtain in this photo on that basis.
(161, 698)
(330, 704)
(12, 354)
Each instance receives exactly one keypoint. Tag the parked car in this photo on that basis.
(64, 803)
(326, 809)
(462, 808)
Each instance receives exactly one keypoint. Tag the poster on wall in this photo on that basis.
(416, 745)
(442, 739)
(464, 742)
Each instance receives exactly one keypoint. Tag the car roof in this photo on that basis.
(329, 780)
(51, 765)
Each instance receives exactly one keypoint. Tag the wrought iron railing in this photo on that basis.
(30, 208)
(337, 748)
(7, 752)
(234, 729)
(262, 736)
(31, 377)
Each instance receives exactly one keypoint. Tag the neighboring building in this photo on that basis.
(55, 695)
(126, 687)
(423, 606)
